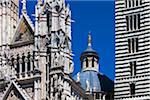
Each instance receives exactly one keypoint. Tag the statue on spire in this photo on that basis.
(40, 2)
(24, 6)
(89, 40)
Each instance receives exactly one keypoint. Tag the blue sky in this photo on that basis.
(97, 17)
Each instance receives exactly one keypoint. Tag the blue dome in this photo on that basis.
(98, 82)
(93, 79)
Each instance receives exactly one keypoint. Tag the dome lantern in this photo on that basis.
(89, 58)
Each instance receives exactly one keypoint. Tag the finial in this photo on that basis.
(89, 40)
(24, 6)
(68, 6)
(40, 2)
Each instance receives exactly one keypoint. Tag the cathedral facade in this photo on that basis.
(132, 80)
(36, 58)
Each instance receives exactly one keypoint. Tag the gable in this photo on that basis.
(14, 95)
(24, 33)
(15, 92)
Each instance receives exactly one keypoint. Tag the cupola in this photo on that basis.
(89, 58)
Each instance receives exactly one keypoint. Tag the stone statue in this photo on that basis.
(62, 24)
(61, 59)
(58, 5)
(62, 39)
(71, 66)
(78, 77)
(56, 59)
(87, 85)
(7, 77)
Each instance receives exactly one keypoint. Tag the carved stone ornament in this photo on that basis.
(58, 5)
(71, 66)
(58, 59)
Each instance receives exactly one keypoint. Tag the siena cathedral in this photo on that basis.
(36, 60)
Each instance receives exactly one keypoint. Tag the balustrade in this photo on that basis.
(22, 66)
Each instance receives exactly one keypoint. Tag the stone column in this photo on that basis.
(90, 61)
(36, 29)
(68, 23)
(4, 24)
(31, 65)
(11, 19)
(3, 35)
(100, 96)
(51, 88)
(37, 90)
(1, 24)
(9, 22)
(139, 2)
(129, 23)
(20, 67)
(15, 66)
(104, 97)
(14, 18)
(131, 2)
(127, 3)
(94, 96)
(37, 74)
(26, 66)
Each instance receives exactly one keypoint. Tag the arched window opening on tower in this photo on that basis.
(49, 20)
(132, 3)
(133, 68)
(97, 96)
(132, 89)
(138, 21)
(17, 69)
(87, 65)
(93, 62)
(133, 45)
(23, 64)
(127, 22)
(133, 22)
(12, 60)
(28, 64)
(135, 25)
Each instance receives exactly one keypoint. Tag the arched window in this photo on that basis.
(93, 62)
(17, 69)
(132, 89)
(97, 96)
(23, 64)
(28, 64)
(12, 60)
(49, 20)
(87, 65)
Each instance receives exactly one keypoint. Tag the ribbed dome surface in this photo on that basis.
(98, 82)
(93, 79)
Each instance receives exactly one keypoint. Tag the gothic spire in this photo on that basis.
(24, 6)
